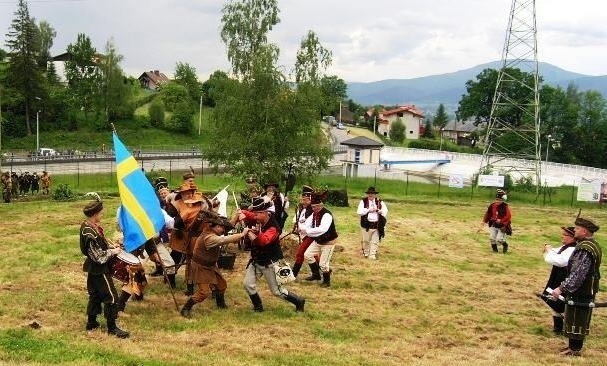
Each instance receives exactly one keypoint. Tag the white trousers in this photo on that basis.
(496, 235)
(325, 251)
(370, 242)
(250, 280)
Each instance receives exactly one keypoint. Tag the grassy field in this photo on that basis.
(437, 296)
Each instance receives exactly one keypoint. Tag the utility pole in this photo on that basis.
(374, 122)
(200, 115)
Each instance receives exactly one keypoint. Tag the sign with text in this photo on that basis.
(456, 180)
(491, 180)
(589, 192)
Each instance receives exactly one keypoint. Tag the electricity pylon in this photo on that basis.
(512, 141)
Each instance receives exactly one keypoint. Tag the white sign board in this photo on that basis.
(456, 180)
(491, 180)
(589, 192)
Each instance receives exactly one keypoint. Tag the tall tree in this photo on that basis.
(334, 90)
(397, 130)
(262, 126)
(441, 119)
(116, 94)
(245, 27)
(211, 86)
(47, 35)
(185, 74)
(83, 74)
(312, 59)
(23, 73)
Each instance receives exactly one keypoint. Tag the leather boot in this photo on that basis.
(296, 268)
(494, 247)
(298, 301)
(326, 279)
(315, 276)
(257, 304)
(505, 247)
(189, 289)
(111, 313)
(171, 278)
(124, 297)
(557, 327)
(186, 310)
(92, 322)
(220, 300)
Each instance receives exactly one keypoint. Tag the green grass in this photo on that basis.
(437, 296)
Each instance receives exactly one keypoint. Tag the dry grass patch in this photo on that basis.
(437, 296)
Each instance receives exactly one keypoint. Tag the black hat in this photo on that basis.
(271, 184)
(307, 191)
(318, 198)
(259, 204)
(588, 224)
(161, 182)
(216, 219)
(499, 193)
(570, 230)
(371, 190)
(92, 208)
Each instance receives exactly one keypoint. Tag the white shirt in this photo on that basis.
(325, 224)
(372, 216)
(560, 260)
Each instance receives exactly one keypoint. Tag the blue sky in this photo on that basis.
(382, 39)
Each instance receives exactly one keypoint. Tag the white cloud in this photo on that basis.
(369, 40)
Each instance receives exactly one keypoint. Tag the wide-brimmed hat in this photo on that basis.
(187, 187)
(371, 190)
(318, 197)
(499, 193)
(197, 197)
(215, 219)
(161, 182)
(259, 204)
(587, 223)
(569, 230)
(188, 175)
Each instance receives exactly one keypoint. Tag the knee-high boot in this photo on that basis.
(124, 297)
(315, 268)
(257, 304)
(326, 279)
(171, 278)
(111, 313)
(298, 301)
(296, 268)
(186, 310)
(220, 300)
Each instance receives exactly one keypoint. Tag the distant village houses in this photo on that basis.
(411, 117)
(152, 79)
(462, 132)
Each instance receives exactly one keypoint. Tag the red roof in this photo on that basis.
(411, 109)
(155, 76)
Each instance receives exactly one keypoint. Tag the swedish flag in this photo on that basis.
(140, 216)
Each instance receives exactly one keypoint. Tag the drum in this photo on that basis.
(120, 264)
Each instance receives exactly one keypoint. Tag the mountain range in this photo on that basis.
(429, 91)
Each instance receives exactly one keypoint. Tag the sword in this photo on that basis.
(591, 304)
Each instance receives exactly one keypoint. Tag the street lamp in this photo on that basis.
(37, 129)
(441, 139)
(200, 115)
(548, 139)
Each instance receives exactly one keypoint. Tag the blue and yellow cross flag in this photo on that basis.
(140, 216)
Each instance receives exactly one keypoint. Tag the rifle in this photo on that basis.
(590, 304)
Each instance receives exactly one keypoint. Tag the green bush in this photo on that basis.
(156, 112)
(338, 197)
(425, 144)
(63, 192)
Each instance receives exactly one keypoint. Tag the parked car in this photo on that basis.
(45, 151)
(341, 126)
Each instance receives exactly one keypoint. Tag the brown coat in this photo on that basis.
(180, 240)
(204, 258)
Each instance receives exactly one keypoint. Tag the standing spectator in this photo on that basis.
(46, 182)
(558, 258)
(372, 212)
(581, 286)
(499, 217)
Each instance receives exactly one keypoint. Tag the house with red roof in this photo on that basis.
(152, 79)
(411, 117)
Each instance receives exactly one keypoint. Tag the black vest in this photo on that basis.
(590, 286)
(264, 255)
(89, 235)
(330, 234)
(364, 223)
